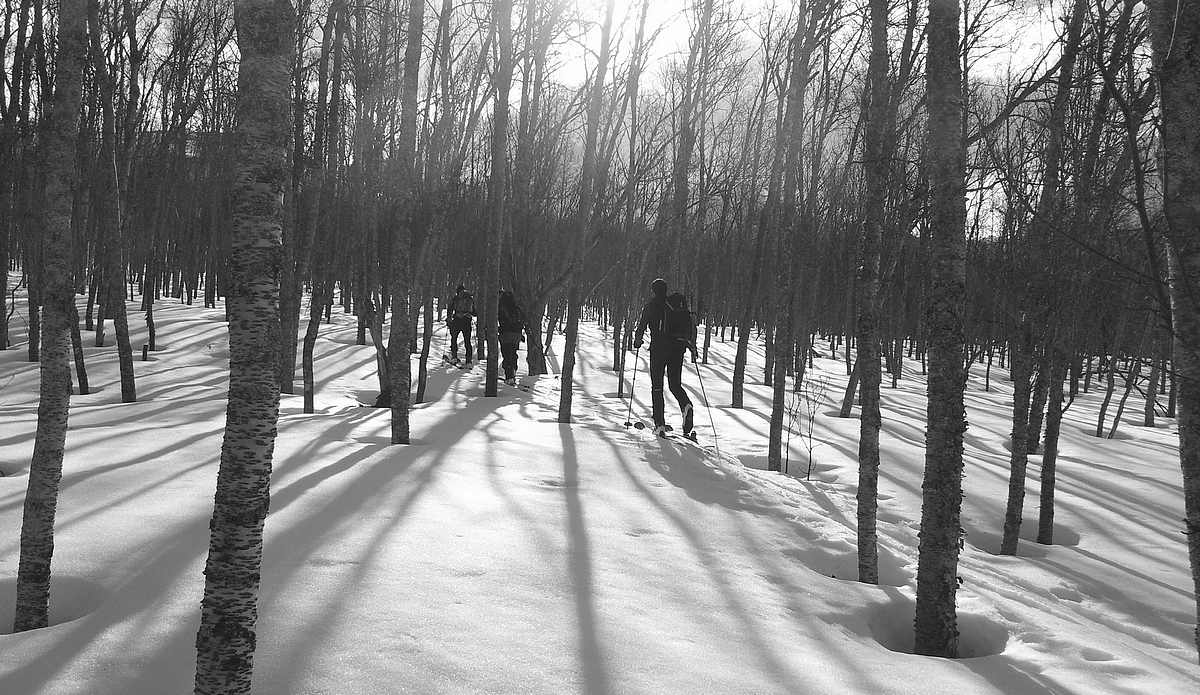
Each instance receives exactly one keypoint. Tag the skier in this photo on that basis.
(672, 331)
(458, 319)
(511, 327)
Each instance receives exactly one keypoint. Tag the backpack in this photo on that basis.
(677, 321)
(464, 305)
(509, 316)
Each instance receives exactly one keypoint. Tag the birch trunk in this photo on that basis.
(1151, 395)
(58, 296)
(1037, 402)
(587, 197)
(111, 260)
(1018, 462)
(1175, 38)
(1135, 373)
(936, 620)
(789, 221)
(1110, 386)
(229, 610)
(747, 314)
(1037, 298)
(486, 327)
(400, 369)
(1055, 376)
(426, 341)
(77, 352)
(875, 175)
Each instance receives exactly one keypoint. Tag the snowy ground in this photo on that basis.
(505, 553)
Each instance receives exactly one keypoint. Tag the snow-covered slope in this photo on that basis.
(505, 553)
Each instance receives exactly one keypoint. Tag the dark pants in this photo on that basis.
(508, 351)
(667, 356)
(463, 326)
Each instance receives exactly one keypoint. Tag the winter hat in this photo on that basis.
(659, 286)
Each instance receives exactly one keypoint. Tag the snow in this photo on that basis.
(505, 553)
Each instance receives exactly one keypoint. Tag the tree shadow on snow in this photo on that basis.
(591, 656)
(767, 653)
(409, 471)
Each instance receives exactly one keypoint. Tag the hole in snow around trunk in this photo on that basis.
(71, 598)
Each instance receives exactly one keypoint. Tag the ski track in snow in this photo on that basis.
(503, 552)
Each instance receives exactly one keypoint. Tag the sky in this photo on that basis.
(1013, 41)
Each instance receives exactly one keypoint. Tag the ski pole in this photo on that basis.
(708, 407)
(632, 383)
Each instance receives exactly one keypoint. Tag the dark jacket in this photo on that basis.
(461, 308)
(653, 317)
(510, 320)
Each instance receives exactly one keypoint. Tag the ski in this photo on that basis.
(668, 433)
(453, 362)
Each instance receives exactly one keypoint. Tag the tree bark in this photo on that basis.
(587, 198)
(851, 390)
(1054, 412)
(790, 221)
(426, 341)
(875, 180)
(1130, 383)
(1037, 401)
(59, 133)
(535, 354)
(110, 252)
(316, 304)
(1175, 38)
(77, 350)
(229, 610)
(761, 235)
(1021, 368)
(1151, 395)
(497, 196)
(936, 622)
(1036, 301)
(400, 369)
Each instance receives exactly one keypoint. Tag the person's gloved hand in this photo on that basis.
(693, 355)
(637, 344)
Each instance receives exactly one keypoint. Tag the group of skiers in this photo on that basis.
(459, 311)
(672, 334)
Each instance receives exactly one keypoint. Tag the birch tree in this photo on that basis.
(1175, 38)
(875, 180)
(587, 198)
(58, 133)
(402, 266)
(229, 611)
(497, 194)
(936, 621)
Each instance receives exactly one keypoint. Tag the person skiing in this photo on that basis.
(458, 319)
(672, 331)
(511, 324)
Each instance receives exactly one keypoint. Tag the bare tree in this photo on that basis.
(1032, 321)
(402, 318)
(1175, 37)
(58, 133)
(497, 193)
(875, 180)
(936, 622)
(586, 213)
(226, 638)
